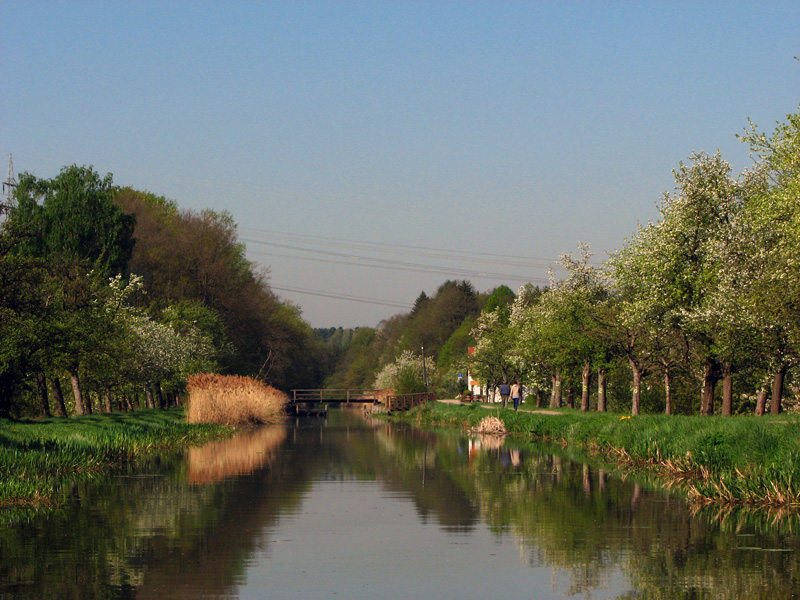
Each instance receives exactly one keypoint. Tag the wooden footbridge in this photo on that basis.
(305, 400)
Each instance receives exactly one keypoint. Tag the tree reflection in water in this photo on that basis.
(175, 528)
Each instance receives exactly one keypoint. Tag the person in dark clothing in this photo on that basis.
(505, 392)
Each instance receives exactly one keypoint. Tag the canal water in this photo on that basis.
(340, 507)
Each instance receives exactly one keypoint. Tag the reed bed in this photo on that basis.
(244, 453)
(233, 400)
(491, 426)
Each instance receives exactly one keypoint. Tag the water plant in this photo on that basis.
(233, 400)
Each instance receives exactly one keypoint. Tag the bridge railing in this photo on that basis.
(334, 395)
(393, 402)
(406, 401)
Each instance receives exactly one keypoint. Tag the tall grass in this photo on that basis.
(726, 460)
(233, 400)
(38, 458)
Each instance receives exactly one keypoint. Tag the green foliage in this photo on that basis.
(409, 381)
(75, 218)
(501, 298)
(441, 324)
(406, 375)
(454, 351)
(756, 459)
(38, 457)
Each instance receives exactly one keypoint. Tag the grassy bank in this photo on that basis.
(732, 460)
(37, 456)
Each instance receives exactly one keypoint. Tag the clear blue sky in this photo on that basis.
(375, 149)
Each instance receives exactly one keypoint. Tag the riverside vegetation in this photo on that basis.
(39, 459)
(708, 294)
(714, 460)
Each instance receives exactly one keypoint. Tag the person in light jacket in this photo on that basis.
(516, 394)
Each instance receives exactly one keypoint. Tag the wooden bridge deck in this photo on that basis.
(335, 395)
(393, 402)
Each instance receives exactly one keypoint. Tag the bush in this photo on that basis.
(409, 382)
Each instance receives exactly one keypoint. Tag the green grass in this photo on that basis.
(36, 455)
(727, 460)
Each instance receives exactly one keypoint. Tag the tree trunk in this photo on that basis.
(76, 391)
(667, 391)
(6, 389)
(709, 385)
(571, 396)
(107, 398)
(539, 398)
(777, 391)
(601, 390)
(636, 400)
(159, 395)
(149, 395)
(587, 480)
(636, 498)
(58, 397)
(555, 399)
(44, 401)
(586, 381)
(761, 401)
(727, 390)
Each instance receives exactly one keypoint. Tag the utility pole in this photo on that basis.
(7, 202)
(424, 370)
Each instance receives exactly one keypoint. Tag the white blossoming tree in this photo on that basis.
(680, 280)
(406, 374)
(773, 221)
(561, 332)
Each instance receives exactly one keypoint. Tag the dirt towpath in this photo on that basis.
(538, 411)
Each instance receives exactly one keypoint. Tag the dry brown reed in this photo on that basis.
(233, 400)
(491, 425)
(246, 452)
(382, 395)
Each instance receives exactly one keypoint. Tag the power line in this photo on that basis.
(364, 299)
(428, 252)
(410, 268)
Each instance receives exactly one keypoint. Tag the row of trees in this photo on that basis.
(123, 295)
(709, 293)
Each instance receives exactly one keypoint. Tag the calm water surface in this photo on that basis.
(342, 508)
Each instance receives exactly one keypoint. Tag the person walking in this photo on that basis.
(505, 392)
(516, 394)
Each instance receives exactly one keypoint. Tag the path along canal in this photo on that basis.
(343, 508)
